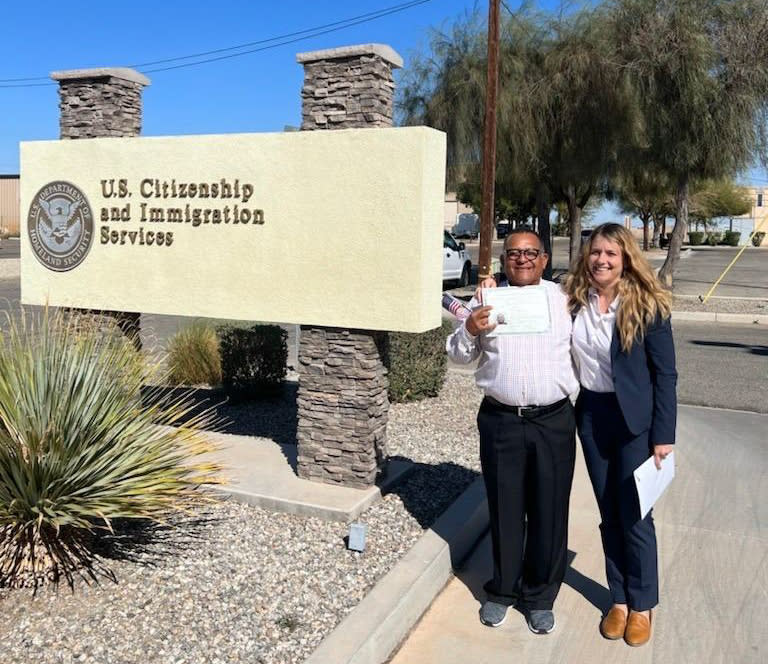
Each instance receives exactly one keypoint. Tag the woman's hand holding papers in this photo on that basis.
(660, 452)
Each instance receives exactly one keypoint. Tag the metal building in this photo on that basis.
(9, 205)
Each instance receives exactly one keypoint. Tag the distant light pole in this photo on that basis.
(489, 142)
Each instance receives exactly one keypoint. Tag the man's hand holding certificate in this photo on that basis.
(517, 310)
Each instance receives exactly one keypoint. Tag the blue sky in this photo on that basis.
(257, 92)
(252, 93)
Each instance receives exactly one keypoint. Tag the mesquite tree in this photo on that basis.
(564, 108)
(700, 72)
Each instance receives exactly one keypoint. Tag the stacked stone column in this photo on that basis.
(94, 103)
(348, 87)
(342, 402)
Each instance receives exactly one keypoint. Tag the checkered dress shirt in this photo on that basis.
(522, 369)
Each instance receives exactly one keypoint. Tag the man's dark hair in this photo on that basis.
(526, 231)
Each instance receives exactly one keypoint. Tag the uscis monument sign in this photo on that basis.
(336, 228)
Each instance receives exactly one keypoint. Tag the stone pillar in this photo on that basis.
(102, 102)
(342, 402)
(342, 406)
(348, 87)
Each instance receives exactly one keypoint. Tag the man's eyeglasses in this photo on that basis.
(530, 254)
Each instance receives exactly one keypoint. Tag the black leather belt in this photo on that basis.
(526, 411)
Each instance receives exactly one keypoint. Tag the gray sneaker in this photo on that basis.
(540, 621)
(493, 613)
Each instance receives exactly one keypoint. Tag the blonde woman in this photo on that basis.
(626, 411)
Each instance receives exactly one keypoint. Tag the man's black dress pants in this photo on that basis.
(527, 462)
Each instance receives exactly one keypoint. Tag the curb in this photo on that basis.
(265, 500)
(761, 319)
(721, 317)
(376, 627)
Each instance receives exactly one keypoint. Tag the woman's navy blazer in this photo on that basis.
(645, 380)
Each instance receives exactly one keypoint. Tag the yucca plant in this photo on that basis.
(194, 357)
(80, 447)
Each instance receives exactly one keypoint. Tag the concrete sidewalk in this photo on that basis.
(712, 528)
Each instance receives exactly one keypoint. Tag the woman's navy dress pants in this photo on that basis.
(612, 453)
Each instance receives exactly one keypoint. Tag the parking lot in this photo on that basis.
(697, 269)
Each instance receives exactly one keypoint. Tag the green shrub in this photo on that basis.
(757, 238)
(731, 238)
(79, 447)
(417, 363)
(713, 238)
(193, 356)
(695, 238)
(253, 360)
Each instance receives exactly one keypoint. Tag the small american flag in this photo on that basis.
(455, 306)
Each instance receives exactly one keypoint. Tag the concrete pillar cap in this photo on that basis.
(124, 73)
(386, 53)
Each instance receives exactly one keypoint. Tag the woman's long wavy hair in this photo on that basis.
(641, 296)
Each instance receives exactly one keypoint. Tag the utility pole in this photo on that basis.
(489, 142)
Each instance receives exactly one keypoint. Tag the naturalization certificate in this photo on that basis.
(518, 309)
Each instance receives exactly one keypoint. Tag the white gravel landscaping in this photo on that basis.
(239, 584)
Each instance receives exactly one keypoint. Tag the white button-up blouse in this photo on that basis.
(591, 344)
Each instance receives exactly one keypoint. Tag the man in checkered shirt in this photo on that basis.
(527, 440)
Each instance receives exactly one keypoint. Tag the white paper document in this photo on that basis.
(651, 482)
(518, 310)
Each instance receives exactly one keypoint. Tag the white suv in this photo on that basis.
(456, 264)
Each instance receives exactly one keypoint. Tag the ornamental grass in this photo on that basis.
(194, 357)
(81, 446)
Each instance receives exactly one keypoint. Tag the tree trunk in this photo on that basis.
(646, 219)
(658, 224)
(667, 272)
(574, 221)
(542, 212)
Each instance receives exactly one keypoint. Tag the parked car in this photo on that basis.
(467, 225)
(456, 264)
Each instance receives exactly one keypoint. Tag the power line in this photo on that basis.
(281, 40)
(369, 16)
(29, 85)
(349, 23)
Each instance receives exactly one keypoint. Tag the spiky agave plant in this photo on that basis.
(79, 447)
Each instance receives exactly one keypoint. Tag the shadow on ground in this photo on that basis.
(273, 416)
(756, 350)
(429, 489)
(595, 593)
(149, 542)
(474, 576)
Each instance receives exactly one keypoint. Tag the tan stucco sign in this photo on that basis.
(337, 228)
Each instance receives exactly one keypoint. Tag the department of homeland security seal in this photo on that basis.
(60, 226)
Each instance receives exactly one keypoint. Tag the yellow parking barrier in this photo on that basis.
(730, 265)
